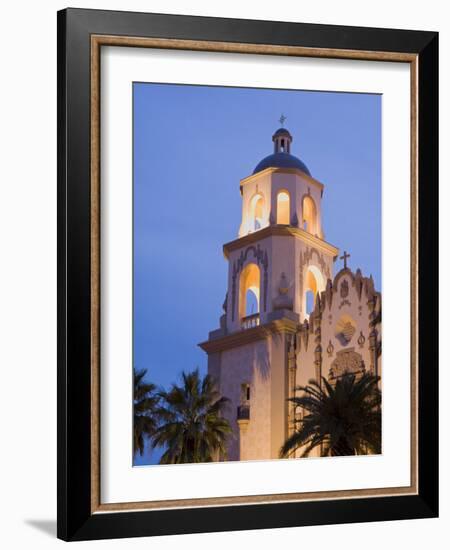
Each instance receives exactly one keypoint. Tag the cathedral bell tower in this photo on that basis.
(278, 265)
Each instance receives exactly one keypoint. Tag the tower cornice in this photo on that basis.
(268, 171)
(283, 231)
(248, 336)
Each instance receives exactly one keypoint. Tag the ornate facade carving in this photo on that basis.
(307, 256)
(361, 340)
(344, 331)
(292, 368)
(305, 260)
(283, 300)
(330, 349)
(303, 336)
(317, 325)
(346, 362)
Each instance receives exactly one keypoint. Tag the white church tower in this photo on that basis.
(278, 263)
(279, 266)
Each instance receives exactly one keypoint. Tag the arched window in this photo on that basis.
(249, 291)
(309, 213)
(314, 283)
(256, 212)
(283, 208)
(309, 299)
(251, 301)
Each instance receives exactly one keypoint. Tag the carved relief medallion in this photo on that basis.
(346, 362)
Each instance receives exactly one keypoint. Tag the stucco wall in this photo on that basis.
(248, 364)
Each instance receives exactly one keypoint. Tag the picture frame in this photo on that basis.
(81, 36)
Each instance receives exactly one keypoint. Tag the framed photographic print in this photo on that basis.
(247, 263)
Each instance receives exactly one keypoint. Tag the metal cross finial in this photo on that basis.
(344, 257)
(282, 119)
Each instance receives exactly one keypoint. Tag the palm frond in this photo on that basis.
(145, 402)
(342, 419)
(191, 427)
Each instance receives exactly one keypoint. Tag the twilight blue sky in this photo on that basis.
(192, 145)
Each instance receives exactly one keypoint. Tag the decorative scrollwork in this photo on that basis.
(344, 288)
(330, 349)
(361, 339)
(307, 256)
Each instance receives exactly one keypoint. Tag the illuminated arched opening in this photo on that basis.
(283, 208)
(256, 212)
(309, 213)
(314, 283)
(309, 301)
(249, 291)
(251, 301)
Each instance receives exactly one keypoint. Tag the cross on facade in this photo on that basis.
(282, 119)
(344, 257)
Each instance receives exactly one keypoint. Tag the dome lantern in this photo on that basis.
(281, 156)
(282, 140)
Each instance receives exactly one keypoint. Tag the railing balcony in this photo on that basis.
(250, 321)
(243, 412)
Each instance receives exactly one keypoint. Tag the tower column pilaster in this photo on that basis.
(292, 371)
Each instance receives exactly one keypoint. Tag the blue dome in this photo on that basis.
(281, 160)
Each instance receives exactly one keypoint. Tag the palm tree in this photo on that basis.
(343, 420)
(145, 401)
(192, 428)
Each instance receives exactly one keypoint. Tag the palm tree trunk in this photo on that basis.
(342, 448)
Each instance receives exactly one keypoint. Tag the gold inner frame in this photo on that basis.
(97, 41)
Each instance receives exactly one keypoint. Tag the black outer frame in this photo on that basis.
(75, 521)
